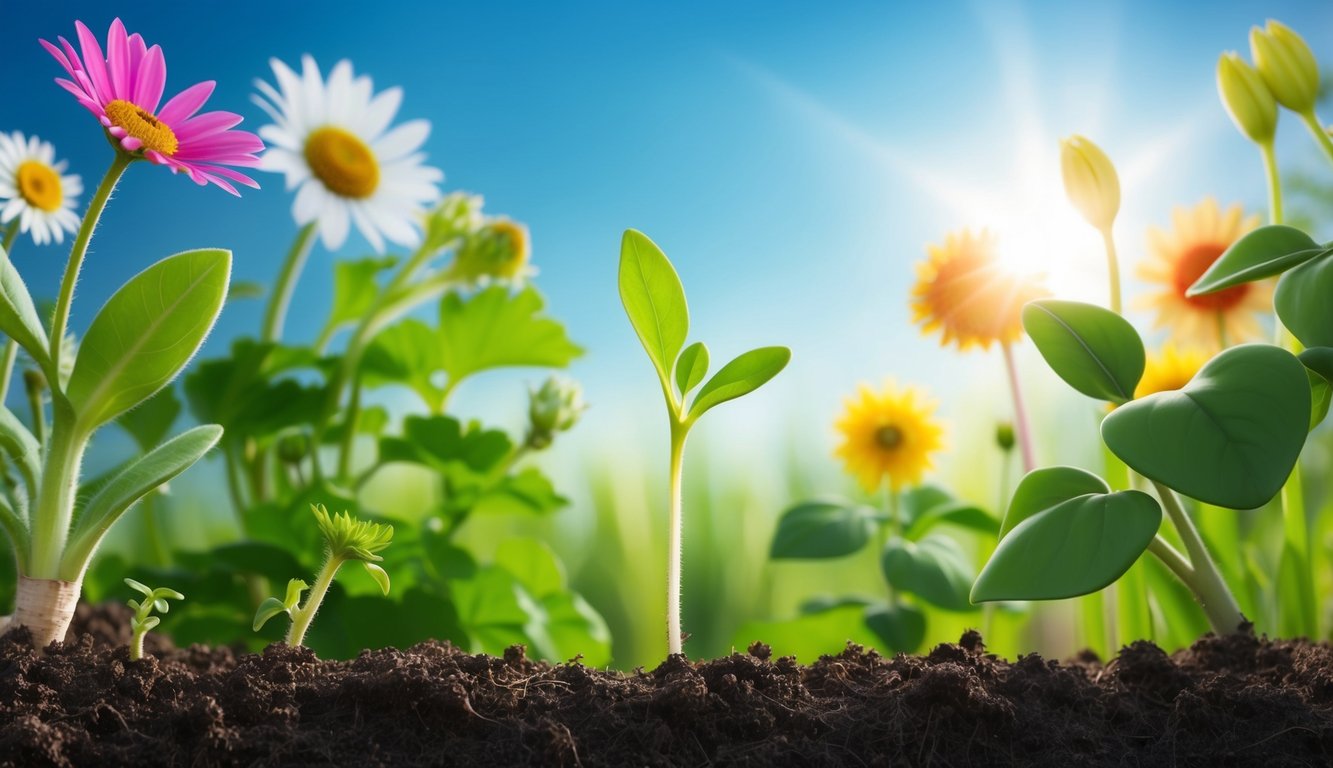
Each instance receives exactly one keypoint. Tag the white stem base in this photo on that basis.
(45, 607)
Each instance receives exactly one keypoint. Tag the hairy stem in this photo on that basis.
(136, 645)
(275, 314)
(54, 506)
(302, 616)
(678, 435)
(1021, 427)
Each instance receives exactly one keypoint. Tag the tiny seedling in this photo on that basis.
(654, 299)
(144, 620)
(345, 539)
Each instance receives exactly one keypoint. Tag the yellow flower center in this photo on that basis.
(1191, 266)
(153, 133)
(889, 437)
(39, 184)
(342, 161)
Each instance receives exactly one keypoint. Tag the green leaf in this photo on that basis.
(821, 529)
(957, 513)
(1094, 350)
(575, 628)
(809, 636)
(133, 483)
(22, 449)
(146, 333)
(1302, 301)
(901, 627)
(534, 564)
(377, 573)
(293, 596)
(406, 353)
(470, 458)
(271, 607)
(691, 367)
(149, 623)
(355, 289)
(139, 586)
(17, 530)
(934, 569)
(150, 422)
(654, 300)
(18, 316)
(1076, 547)
(1230, 437)
(1041, 489)
(1319, 367)
(1262, 253)
(244, 290)
(497, 329)
(243, 393)
(748, 372)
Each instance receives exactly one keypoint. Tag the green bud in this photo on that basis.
(499, 250)
(457, 215)
(1004, 436)
(293, 447)
(1246, 98)
(1091, 181)
(555, 407)
(351, 539)
(1287, 66)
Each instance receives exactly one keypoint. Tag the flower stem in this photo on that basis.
(1203, 578)
(1274, 182)
(301, 617)
(11, 232)
(275, 315)
(678, 434)
(1021, 427)
(54, 506)
(1320, 133)
(11, 346)
(80, 248)
(1113, 269)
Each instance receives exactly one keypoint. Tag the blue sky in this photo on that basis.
(793, 159)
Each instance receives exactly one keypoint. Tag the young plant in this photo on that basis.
(654, 299)
(345, 539)
(144, 620)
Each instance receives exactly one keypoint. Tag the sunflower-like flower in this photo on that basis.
(1171, 368)
(964, 291)
(888, 434)
(35, 189)
(1179, 256)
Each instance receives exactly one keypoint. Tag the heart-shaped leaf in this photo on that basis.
(957, 513)
(1041, 489)
(1076, 547)
(691, 367)
(1262, 253)
(748, 372)
(934, 569)
(901, 627)
(1095, 350)
(1302, 301)
(821, 529)
(654, 299)
(1230, 437)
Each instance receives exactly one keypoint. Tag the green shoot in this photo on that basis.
(654, 299)
(144, 620)
(345, 539)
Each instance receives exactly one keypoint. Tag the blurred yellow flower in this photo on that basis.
(1178, 257)
(1170, 369)
(964, 291)
(888, 434)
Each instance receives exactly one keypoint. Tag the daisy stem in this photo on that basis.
(1320, 133)
(11, 346)
(11, 232)
(119, 163)
(1202, 577)
(1113, 269)
(679, 432)
(1274, 183)
(1021, 427)
(275, 315)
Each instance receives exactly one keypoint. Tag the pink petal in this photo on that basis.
(204, 125)
(59, 56)
(151, 79)
(186, 103)
(131, 144)
(93, 62)
(118, 62)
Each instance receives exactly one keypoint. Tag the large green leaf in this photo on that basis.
(533, 563)
(355, 289)
(243, 391)
(1302, 301)
(22, 449)
(497, 329)
(1230, 437)
(147, 332)
(956, 513)
(901, 627)
(1095, 350)
(1262, 253)
(748, 372)
(133, 483)
(18, 316)
(1041, 489)
(1319, 365)
(1076, 547)
(934, 569)
(820, 529)
(654, 300)
(409, 353)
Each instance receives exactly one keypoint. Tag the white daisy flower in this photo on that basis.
(35, 190)
(331, 139)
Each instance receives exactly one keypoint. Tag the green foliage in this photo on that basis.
(143, 620)
(1043, 488)
(1319, 366)
(748, 372)
(934, 569)
(1094, 350)
(355, 290)
(499, 329)
(1301, 301)
(820, 529)
(18, 315)
(1259, 254)
(654, 300)
(691, 367)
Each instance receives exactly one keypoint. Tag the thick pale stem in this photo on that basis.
(55, 496)
(136, 646)
(45, 607)
(1204, 579)
(1320, 133)
(78, 251)
(1274, 183)
(302, 616)
(678, 434)
(275, 315)
(1021, 426)
(1113, 269)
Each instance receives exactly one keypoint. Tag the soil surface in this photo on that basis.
(1232, 701)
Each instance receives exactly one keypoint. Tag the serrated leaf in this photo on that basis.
(1094, 350)
(498, 329)
(691, 367)
(1261, 253)
(654, 300)
(408, 353)
(743, 375)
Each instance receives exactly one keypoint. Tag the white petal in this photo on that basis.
(379, 113)
(367, 227)
(401, 141)
(333, 225)
(309, 202)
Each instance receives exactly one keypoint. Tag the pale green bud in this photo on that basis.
(1004, 436)
(499, 250)
(1091, 182)
(555, 407)
(1246, 98)
(457, 215)
(1287, 66)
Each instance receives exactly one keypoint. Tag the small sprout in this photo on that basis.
(345, 539)
(144, 620)
(555, 407)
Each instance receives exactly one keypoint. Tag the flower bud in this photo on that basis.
(1004, 436)
(499, 250)
(457, 215)
(1287, 66)
(1246, 98)
(555, 407)
(293, 448)
(1091, 182)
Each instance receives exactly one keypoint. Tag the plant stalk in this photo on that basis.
(56, 493)
(1320, 133)
(1204, 580)
(678, 434)
(1274, 183)
(45, 607)
(1113, 269)
(275, 314)
(302, 616)
(1021, 426)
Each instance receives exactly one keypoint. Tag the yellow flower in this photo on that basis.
(1180, 256)
(1091, 181)
(888, 434)
(964, 291)
(1169, 369)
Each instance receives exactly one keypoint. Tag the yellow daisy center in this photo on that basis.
(39, 184)
(144, 126)
(342, 161)
(889, 437)
(1191, 266)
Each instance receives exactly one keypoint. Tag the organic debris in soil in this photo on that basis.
(1225, 701)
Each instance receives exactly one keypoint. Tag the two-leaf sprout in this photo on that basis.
(143, 620)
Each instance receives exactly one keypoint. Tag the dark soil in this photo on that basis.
(1232, 701)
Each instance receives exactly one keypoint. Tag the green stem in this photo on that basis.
(679, 432)
(136, 645)
(893, 526)
(1206, 582)
(55, 496)
(276, 312)
(1320, 133)
(349, 429)
(1274, 183)
(302, 616)
(11, 233)
(7, 368)
(80, 248)
(1113, 269)
(32, 383)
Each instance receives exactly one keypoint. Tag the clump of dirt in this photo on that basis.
(1225, 701)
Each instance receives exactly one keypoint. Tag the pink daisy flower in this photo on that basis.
(123, 90)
